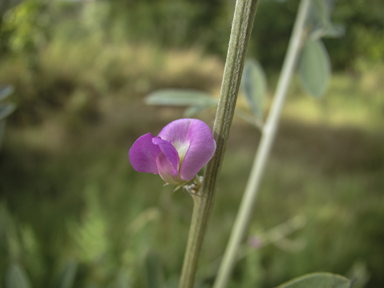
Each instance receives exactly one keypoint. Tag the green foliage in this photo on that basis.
(253, 271)
(18, 245)
(77, 198)
(27, 25)
(198, 100)
(177, 24)
(91, 235)
(193, 110)
(5, 108)
(321, 11)
(359, 274)
(79, 84)
(254, 84)
(98, 60)
(154, 274)
(67, 275)
(174, 97)
(361, 37)
(204, 24)
(2, 128)
(320, 22)
(5, 92)
(16, 277)
(318, 280)
(70, 186)
(364, 23)
(314, 68)
(122, 281)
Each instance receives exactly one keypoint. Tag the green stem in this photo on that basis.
(269, 131)
(242, 24)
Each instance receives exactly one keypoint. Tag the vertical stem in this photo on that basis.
(242, 24)
(269, 131)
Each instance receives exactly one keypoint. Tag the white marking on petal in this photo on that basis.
(182, 148)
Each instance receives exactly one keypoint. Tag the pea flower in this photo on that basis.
(177, 154)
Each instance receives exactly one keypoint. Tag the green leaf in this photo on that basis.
(314, 68)
(67, 275)
(154, 270)
(318, 280)
(320, 13)
(331, 31)
(334, 31)
(321, 10)
(122, 280)
(320, 20)
(6, 109)
(16, 277)
(254, 84)
(179, 97)
(193, 110)
(2, 128)
(5, 91)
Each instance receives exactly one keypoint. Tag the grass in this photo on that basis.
(93, 207)
(69, 192)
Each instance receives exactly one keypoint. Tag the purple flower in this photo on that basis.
(180, 150)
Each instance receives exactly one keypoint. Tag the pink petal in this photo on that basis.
(170, 154)
(201, 149)
(143, 154)
(176, 131)
(196, 138)
(166, 169)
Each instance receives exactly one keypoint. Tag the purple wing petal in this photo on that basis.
(166, 169)
(143, 154)
(202, 146)
(169, 152)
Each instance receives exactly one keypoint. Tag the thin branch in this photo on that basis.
(242, 24)
(269, 131)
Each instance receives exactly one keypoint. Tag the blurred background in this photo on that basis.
(73, 208)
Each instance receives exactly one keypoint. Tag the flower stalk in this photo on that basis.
(268, 134)
(242, 24)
